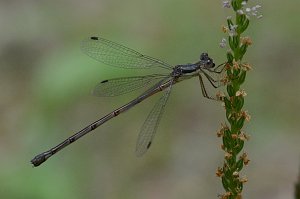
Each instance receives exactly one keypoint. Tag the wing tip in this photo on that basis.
(140, 151)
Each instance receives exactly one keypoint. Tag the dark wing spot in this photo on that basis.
(104, 81)
(94, 38)
(149, 144)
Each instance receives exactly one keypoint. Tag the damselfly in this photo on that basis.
(118, 55)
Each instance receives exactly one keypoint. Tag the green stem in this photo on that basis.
(232, 135)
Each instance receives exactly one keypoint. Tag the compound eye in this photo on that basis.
(210, 63)
(203, 56)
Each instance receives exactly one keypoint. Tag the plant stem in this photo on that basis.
(233, 137)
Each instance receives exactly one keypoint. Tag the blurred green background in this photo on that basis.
(46, 81)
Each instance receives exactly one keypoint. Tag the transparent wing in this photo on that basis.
(149, 127)
(119, 86)
(117, 55)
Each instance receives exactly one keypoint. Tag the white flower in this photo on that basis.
(223, 43)
(250, 11)
(226, 4)
(240, 12)
(232, 30)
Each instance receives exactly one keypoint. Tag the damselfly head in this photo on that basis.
(206, 61)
